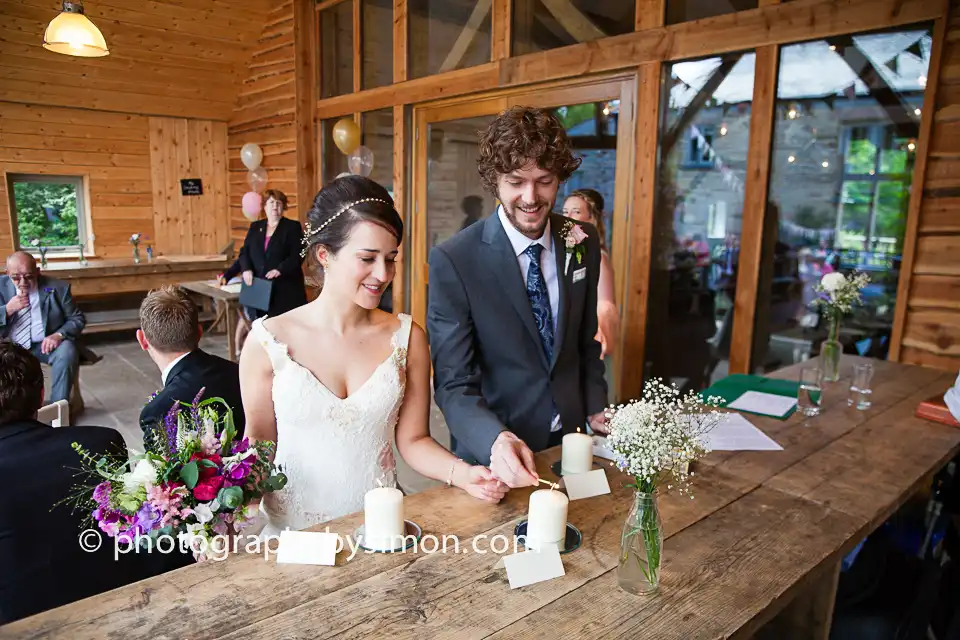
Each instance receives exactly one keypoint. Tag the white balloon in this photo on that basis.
(251, 156)
(257, 179)
(361, 161)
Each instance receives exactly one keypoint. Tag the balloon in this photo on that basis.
(361, 161)
(252, 203)
(257, 179)
(346, 135)
(251, 155)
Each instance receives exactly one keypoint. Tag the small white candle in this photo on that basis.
(577, 454)
(383, 526)
(547, 518)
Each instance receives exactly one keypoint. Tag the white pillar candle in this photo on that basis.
(577, 454)
(547, 518)
(383, 526)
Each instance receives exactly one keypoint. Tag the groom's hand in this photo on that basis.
(599, 423)
(511, 461)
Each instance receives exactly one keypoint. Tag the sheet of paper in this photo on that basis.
(232, 288)
(600, 448)
(764, 403)
(586, 485)
(530, 567)
(307, 547)
(736, 433)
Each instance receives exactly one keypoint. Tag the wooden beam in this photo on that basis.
(752, 236)
(305, 78)
(357, 46)
(650, 14)
(573, 21)
(633, 328)
(401, 34)
(400, 178)
(502, 24)
(927, 116)
(467, 34)
(795, 21)
(327, 4)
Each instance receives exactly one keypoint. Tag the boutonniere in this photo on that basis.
(152, 397)
(573, 237)
(48, 289)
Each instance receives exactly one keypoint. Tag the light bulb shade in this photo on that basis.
(74, 35)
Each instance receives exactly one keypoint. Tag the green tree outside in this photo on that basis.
(48, 211)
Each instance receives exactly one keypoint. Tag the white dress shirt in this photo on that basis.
(548, 267)
(169, 367)
(36, 317)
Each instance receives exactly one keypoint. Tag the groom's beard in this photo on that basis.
(532, 230)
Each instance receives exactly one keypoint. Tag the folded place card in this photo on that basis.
(530, 567)
(307, 547)
(586, 485)
(766, 404)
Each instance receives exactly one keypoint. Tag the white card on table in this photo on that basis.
(530, 567)
(600, 448)
(579, 274)
(736, 433)
(307, 547)
(767, 404)
(586, 485)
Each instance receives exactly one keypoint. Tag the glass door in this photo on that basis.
(448, 196)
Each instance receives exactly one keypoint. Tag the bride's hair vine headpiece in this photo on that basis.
(310, 232)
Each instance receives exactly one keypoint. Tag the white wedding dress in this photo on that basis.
(332, 450)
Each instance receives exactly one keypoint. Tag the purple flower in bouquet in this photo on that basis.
(241, 446)
(241, 470)
(170, 428)
(147, 519)
(195, 407)
(101, 494)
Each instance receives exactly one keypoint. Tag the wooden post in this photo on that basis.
(357, 45)
(502, 33)
(650, 14)
(305, 22)
(927, 116)
(752, 235)
(401, 31)
(401, 139)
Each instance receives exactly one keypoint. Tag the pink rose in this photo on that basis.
(575, 236)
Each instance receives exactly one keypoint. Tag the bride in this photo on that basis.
(335, 382)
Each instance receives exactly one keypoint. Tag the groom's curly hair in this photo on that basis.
(522, 135)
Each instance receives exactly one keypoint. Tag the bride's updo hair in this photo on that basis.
(343, 203)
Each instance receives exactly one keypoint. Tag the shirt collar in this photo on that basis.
(520, 242)
(166, 372)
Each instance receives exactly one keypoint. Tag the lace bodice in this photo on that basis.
(333, 450)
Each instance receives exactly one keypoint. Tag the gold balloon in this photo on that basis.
(346, 135)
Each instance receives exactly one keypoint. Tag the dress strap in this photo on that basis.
(401, 339)
(277, 351)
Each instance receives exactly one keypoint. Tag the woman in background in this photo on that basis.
(271, 251)
(586, 205)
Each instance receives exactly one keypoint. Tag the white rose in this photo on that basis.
(832, 281)
(203, 512)
(144, 474)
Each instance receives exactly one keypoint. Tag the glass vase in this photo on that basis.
(830, 352)
(136, 255)
(638, 571)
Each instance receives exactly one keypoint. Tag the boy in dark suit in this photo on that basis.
(44, 564)
(170, 333)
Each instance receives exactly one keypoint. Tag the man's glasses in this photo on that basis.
(22, 277)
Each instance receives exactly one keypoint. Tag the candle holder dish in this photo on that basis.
(412, 533)
(555, 468)
(573, 540)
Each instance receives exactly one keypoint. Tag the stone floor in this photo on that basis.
(116, 388)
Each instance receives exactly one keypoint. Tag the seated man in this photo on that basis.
(170, 332)
(44, 566)
(38, 313)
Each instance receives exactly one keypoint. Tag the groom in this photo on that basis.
(513, 308)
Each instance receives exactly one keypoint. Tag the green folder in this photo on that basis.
(735, 385)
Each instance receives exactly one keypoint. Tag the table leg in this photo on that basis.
(230, 317)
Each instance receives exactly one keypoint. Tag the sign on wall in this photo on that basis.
(191, 187)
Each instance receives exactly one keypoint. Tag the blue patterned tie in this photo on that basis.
(540, 299)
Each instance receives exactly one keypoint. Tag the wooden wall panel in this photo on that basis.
(166, 57)
(111, 150)
(179, 149)
(270, 119)
(930, 326)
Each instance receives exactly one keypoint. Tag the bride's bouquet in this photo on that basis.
(192, 482)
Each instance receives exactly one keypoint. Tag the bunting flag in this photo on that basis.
(850, 92)
(829, 100)
(893, 64)
(915, 49)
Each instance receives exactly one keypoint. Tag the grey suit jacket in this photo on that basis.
(56, 307)
(490, 371)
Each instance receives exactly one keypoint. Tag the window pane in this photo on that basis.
(687, 10)
(839, 187)
(46, 210)
(334, 162)
(336, 50)
(377, 43)
(703, 157)
(377, 135)
(447, 35)
(539, 25)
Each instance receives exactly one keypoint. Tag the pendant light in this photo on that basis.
(73, 34)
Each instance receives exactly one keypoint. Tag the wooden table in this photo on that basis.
(228, 309)
(762, 539)
(109, 277)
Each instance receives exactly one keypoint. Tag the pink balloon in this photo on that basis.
(252, 203)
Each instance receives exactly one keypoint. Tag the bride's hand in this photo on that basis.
(482, 484)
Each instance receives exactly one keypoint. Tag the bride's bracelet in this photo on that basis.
(452, 469)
